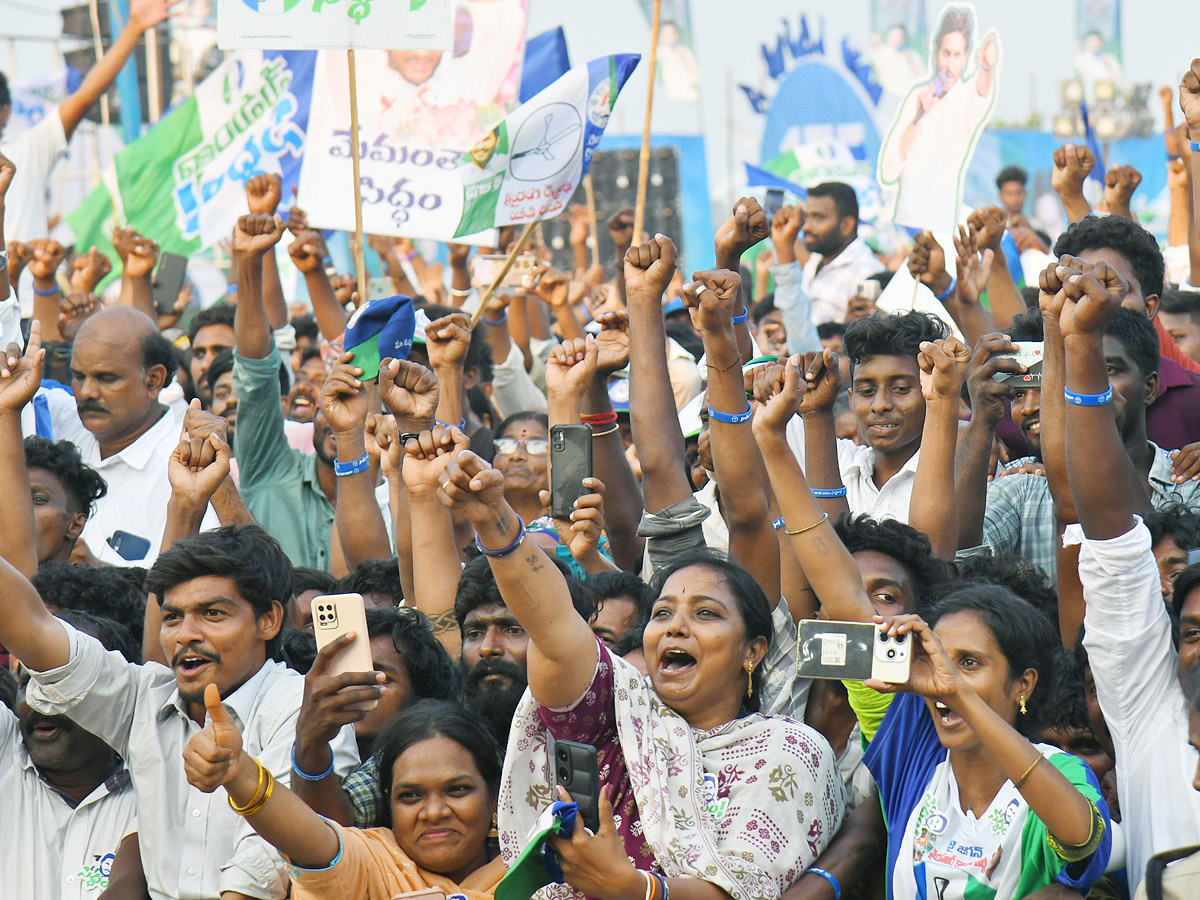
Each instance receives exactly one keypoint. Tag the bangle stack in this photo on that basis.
(261, 793)
(601, 419)
(656, 886)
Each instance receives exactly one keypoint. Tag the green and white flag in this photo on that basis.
(183, 182)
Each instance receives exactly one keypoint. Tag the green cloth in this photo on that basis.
(869, 705)
(278, 482)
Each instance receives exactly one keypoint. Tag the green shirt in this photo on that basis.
(278, 482)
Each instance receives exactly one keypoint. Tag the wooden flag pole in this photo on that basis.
(590, 193)
(153, 77)
(508, 264)
(639, 209)
(98, 45)
(359, 260)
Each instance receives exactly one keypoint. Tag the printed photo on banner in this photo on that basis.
(678, 71)
(326, 25)
(419, 111)
(897, 40)
(1098, 48)
(929, 145)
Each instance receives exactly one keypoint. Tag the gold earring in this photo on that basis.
(1023, 710)
(749, 680)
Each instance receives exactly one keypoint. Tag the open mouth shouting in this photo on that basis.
(676, 662)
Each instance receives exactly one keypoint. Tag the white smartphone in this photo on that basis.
(852, 651)
(334, 615)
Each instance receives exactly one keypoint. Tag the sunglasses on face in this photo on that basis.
(508, 446)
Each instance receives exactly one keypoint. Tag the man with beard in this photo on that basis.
(834, 258)
(68, 796)
(290, 493)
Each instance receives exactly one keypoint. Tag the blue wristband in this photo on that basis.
(48, 292)
(462, 426)
(342, 469)
(942, 298)
(829, 493)
(739, 319)
(231, 288)
(1088, 399)
(662, 883)
(778, 523)
(499, 321)
(1196, 146)
(828, 876)
(503, 551)
(296, 767)
(730, 418)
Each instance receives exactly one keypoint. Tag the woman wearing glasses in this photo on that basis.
(522, 455)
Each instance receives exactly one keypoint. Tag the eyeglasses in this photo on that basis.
(533, 446)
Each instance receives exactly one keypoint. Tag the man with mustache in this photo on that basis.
(290, 493)
(67, 793)
(120, 363)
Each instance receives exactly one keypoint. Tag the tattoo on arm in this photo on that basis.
(535, 563)
(442, 622)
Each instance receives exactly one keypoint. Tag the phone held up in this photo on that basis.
(577, 771)
(570, 464)
(853, 651)
(334, 615)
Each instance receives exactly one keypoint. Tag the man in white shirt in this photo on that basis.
(120, 365)
(1127, 631)
(37, 150)
(886, 399)
(68, 796)
(837, 259)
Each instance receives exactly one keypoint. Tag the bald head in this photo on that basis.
(119, 364)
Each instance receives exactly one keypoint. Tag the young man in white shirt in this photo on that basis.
(885, 396)
(1127, 630)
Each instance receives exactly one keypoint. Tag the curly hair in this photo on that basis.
(903, 543)
(84, 484)
(891, 335)
(1011, 571)
(1126, 237)
(380, 577)
(107, 592)
(434, 675)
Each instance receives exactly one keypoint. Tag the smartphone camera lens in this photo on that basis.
(891, 654)
(900, 638)
(562, 753)
(884, 637)
(563, 774)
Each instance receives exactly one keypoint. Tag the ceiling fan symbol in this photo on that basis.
(545, 148)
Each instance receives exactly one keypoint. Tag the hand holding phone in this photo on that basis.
(577, 771)
(570, 464)
(334, 615)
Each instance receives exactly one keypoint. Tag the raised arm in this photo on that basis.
(1107, 489)
(1072, 163)
(137, 288)
(821, 378)
(562, 648)
(827, 563)
(308, 255)
(932, 509)
(972, 317)
(263, 193)
(740, 472)
(27, 629)
(360, 527)
(656, 433)
(46, 257)
(143, 15)
(790, 298)
(973, 458)
(742, 230)
(253, 238)
(7, 172)
(987, 225)
(623, 496)
(1189, 103)
(447, 341)
(553, 288)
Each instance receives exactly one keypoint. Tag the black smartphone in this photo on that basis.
(130, 547)
(570, 463)
(773, 203)
(577, 771)
(168, 282)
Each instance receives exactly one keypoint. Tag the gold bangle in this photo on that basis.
(1020, 781)
(241, 810)
(597, 434)
(257, 807)
(820, 521)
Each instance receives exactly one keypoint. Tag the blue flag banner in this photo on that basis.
(546, 61)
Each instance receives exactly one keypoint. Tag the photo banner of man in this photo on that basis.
(419, 112)
(325, 25)
(1098, 48)
(929, 145)
(677, 70)
(897, 39)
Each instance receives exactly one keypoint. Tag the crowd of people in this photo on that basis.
(768, 447)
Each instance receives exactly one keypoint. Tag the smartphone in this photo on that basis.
(1028, 354)
(773, 202)
(130, 547)
(570, 463)
(485, 266)
(168, 282)
(577, 771)
(852, 651)
(870, 289)
(334, 615)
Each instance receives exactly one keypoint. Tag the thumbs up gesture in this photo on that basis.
(213, 757)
